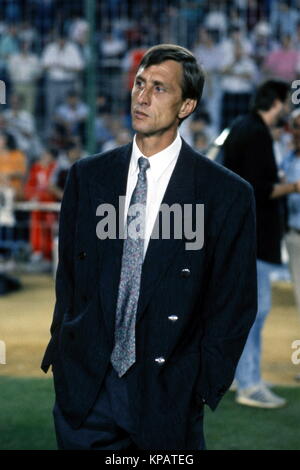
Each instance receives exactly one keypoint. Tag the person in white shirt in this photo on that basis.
(237, 85)
(63, 63)
(24, 69)
(21, 125)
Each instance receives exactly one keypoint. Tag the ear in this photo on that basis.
(187, 108)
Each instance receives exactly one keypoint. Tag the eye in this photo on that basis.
(138, 83)
(159, 89)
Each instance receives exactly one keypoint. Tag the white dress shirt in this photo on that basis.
(158, 176)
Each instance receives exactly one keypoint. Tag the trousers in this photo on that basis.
(110, 424)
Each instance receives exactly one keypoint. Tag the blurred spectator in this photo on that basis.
(283, 19)
(8, 45)
(60, 137)
(112, 49)
(237, 85)
(24, 69)
(202, 123)
(228, 45)
(28, 34)
(12, 165)
(59, 175)
(208, 53)
(291, 168)
(79, 33)
(21, 124)
(78, 30)
(122, 137)
(281, 140)
(103, 130)
(63, 63)
(252, 11)
(296, 38)
(282, 62)
(73, 115)
(43, 14)
(262, 44)
(201, 141)
(42, 222)
(216, 20)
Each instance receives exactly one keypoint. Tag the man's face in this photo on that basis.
(157, 103)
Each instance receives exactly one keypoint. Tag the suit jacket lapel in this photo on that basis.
(160, 252)
(108, 183)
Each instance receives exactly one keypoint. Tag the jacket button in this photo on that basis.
(82, 255)
(185, 273)
(173, 318)
(160, 360)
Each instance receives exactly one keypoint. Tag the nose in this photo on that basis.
(143, 97)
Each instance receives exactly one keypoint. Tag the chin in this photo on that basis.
(138, 127)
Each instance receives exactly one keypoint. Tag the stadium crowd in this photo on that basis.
(45, 50)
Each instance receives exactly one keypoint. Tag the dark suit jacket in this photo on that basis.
(215, 301)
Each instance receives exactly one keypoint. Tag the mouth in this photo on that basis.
(139, 115)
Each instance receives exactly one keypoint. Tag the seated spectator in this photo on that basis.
(12, 175)
(282, 62)
(24, 70)
(21, 124)
(59, 175)
(103, 130)
(12, 165)
(60, 137)
(73, 115)
(42, 222)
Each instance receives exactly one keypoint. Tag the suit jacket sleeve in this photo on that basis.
(64, 285)
(231, 303)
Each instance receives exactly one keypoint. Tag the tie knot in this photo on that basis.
(143, 164)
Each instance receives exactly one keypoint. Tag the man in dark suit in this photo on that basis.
(146, 330)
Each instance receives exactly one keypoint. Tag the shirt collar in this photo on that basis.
(160, 161)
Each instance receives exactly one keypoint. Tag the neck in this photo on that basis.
(152, 144)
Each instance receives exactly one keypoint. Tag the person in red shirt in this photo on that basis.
(42, 222)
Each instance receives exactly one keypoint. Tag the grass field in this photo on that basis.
(26, 420)
(26, 394)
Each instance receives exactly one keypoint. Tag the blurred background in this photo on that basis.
(66, 71)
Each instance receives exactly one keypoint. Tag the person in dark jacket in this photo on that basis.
(146, 329)
(248, 151)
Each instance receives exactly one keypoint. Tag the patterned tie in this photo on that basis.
(123, 355)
